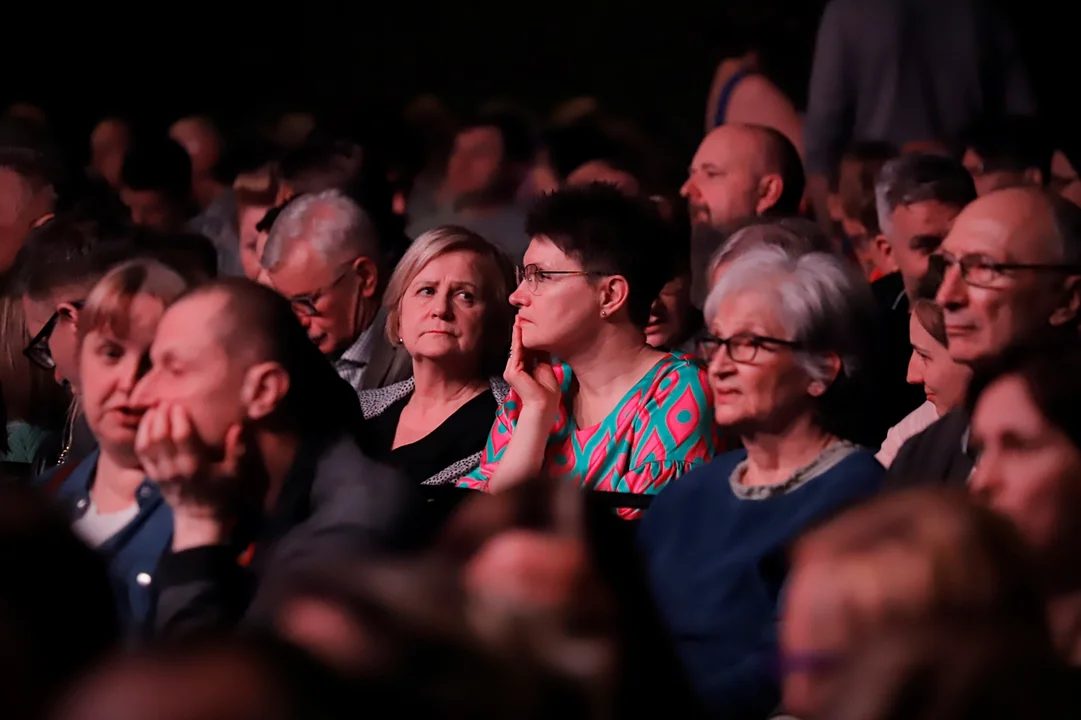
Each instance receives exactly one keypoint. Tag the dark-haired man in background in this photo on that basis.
(918, 196)
(1008, 152)
(739, 172)
(488, 163)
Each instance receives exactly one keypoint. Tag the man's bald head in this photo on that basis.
(744, 171)
(1036, 226)
(255, 325)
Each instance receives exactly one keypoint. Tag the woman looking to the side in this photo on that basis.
(114, 507)
(612, 413)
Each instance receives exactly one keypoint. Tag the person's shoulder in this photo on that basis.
(374, 401)
(349, 487)
(861, 463)
(705, 477)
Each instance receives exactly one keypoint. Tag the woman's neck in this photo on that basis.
(1064, 613)
(116, 480)
(773, 457)
(611, 365)
(438, 384)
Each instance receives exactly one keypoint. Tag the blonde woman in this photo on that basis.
(114, 507)
(447, 306)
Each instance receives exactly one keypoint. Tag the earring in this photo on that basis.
(604, 313)
(400, 340)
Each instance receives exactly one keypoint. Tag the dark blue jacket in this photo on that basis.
(132, 553)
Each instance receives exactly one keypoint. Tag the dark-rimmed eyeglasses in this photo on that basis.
(533, 276)
(981, 271)
(37, 351)
(305, 304)
(742, 347)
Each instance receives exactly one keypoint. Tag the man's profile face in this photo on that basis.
(193, 369)
(983, 319)
(325, 296)
(917, 231)
(475, 162)
(152, 209)
(722, 187)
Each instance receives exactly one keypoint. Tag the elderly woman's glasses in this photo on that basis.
(982, 271)
(38, 351)
(533, 276)
(742, 348)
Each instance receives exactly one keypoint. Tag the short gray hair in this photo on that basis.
(920, 177)
(823, 302)
(796, 235)
(335, 226)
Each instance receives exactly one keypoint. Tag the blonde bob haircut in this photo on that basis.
(497, 275)
(109, 303)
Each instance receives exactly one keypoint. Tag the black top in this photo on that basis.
(894, 398)
(938, 456)
(461, 435)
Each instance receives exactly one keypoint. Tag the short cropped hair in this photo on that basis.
(824, 304)
(159, 164)
(921, 177)
(782, 158)
(109, 304)
(498, 282)
(608, 232)
(857, 189)
(258, 188)
(259, 325)
(335, 226)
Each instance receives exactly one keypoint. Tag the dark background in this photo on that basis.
(651, 61)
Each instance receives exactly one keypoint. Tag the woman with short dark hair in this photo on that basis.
(612, 413)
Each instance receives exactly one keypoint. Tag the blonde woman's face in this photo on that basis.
(443, 310)
(109, 368)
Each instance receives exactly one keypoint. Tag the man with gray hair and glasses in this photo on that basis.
(322, 255)
(1011, 278)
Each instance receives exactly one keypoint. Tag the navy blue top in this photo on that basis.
(717, 564)
(132, 553)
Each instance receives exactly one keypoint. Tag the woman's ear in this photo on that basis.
(265, 387)
(614, 291)
(832, 363)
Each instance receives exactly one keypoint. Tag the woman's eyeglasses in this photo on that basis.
(743, 347)
(533, 276)
(38, 351)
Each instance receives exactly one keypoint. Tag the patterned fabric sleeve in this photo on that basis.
(503, 430)
(676, 433)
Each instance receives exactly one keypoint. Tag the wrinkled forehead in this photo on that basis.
(194, 324)
(1007, 227)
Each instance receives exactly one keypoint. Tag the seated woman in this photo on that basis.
(900, 563)
(113, 506)
(447, 305)
(612, 413)
(944, 380)
(787, 338)
(1026, 433)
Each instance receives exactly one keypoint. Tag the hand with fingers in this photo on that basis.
(530, 374)
(193, 481)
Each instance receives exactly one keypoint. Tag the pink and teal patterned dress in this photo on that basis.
(661, 429)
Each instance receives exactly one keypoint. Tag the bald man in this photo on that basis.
(739, 172)
(1011, 276)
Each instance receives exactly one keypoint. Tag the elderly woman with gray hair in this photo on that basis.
(786, 334)
(446, 304)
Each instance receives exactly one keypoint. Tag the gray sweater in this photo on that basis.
(908, 70)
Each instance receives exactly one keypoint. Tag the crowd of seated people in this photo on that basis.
(502, 427)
